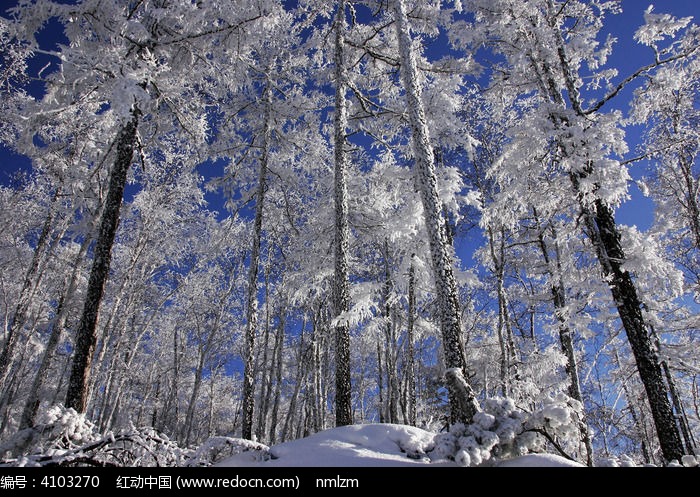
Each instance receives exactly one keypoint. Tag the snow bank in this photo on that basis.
(370, 445)
(349, 446)
(538, 461)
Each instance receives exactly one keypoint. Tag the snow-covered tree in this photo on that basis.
(551, 47)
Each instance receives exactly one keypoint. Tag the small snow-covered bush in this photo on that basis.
(216, 449)
(58, 430)
(65, 428)
(64, 437)
(502, 431)
(559, 422)
(140, 447)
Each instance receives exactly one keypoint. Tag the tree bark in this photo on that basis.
(605, 236)
(341, 283)
(464, 407)
(87, 330)
(411, 356)
(252, 304)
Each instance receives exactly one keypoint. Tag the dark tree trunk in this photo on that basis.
(341, 286)
(411, 358)
(603, 232)
(86, 337)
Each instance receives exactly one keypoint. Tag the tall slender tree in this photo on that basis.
(462, 399)
(341, 279)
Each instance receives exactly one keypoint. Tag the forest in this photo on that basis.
(235, 224)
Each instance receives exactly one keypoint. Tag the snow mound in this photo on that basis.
(370, 445)
(538, 461)
(349, 446)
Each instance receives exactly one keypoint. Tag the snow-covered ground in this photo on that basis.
(368, 445)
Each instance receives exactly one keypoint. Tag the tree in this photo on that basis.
(668, 103)
(86, 337)
(341, 282)
(462, 399)
(136, 87)
(581, 144)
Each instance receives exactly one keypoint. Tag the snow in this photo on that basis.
(369, 445)
(539, 461)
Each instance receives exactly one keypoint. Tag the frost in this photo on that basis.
(657, 27)
(502, 431)
(216, 449)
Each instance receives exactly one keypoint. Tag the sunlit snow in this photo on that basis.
(369, 445)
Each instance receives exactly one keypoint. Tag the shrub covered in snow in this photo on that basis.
(216, 449)
(502, 431)
(58, 430)
(64, 437)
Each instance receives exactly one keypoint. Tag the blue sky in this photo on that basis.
(627, 57)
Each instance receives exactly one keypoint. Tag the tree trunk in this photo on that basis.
(390, 345)
(113, 370)
(252, 304)
(87, 330)
(341, 283)
(380, 385)
(59, 322)
(605, 237)
(464, 408)
(265, 368)
(505, 333)
(189, 416)
(565, 335)
(410, 350)
(31, 281)
(302, 360)
(279, 349)
(171, 405)
(690, 443)
(315, 381)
